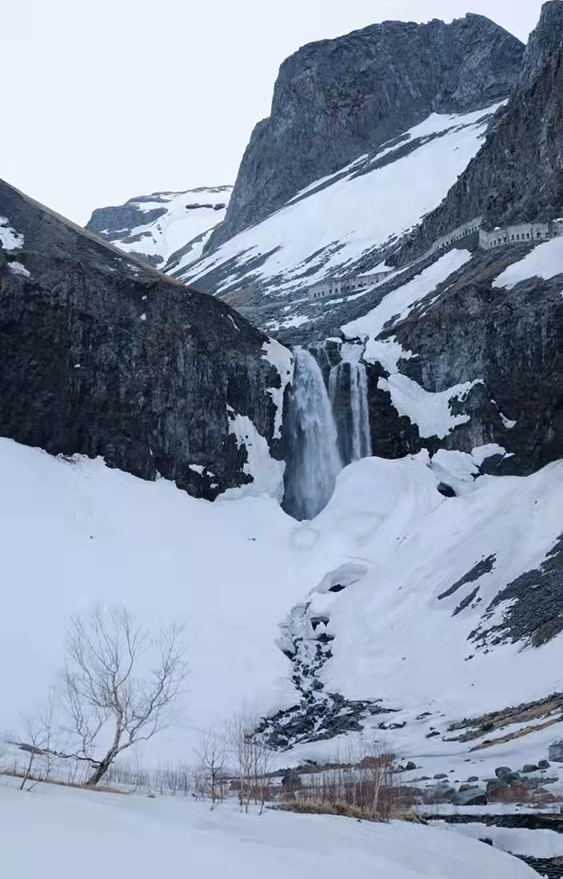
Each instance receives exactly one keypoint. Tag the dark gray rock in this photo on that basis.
(473, 778)
(494, 785)
(410, 766)
(517, 173)
(441, 775)
(543, 764)
(471, 797)
(336, 100)
(100, 355)
(530, 767)
(500, 771)
(556, 752)
(291, 780)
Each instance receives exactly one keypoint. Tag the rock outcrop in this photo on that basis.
(518, 173)
(336, 100)
(101, 355)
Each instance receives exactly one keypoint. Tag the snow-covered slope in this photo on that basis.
(156, 226)
(142, 837)
(353, 215)
(404, 584)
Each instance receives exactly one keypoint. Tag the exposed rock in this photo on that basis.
(517, 174)
(494, 785)
(530, 767)
(471, 797)
(500, 771)
(543, 764)
(336, 100)
(291, 780)
(100, 355)
(556, 752)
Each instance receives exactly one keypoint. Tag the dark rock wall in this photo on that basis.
(100, 355)
(335, 100)
(518, 173)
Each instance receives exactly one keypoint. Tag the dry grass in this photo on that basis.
(477, 727)
(58, 782)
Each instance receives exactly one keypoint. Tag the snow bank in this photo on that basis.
(74, 533)
(544, 261)
(91, 833)
(398, 304)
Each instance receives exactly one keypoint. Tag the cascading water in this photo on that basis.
(313, 460)
(348, 392)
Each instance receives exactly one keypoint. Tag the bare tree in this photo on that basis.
(212, 753)
(121, 685)
(251, 757)
(39, 743)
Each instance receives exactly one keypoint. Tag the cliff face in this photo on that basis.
(101, 355)
(518, 174)
(338, 99)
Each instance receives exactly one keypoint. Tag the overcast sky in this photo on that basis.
(105, 100)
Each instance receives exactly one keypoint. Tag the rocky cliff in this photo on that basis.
(101, 355)
(336, 100)
(518, 174)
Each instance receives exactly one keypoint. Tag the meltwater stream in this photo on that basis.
(313, 460)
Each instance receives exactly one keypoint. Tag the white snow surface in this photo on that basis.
(266, 472)
(398, 304)
(533, 843)
(9, 238)
(544, 261)
(329, 228)
(190, 217)
(54, 832)
(74, 533)
(18, 268)
(282, 358)
(431, 412)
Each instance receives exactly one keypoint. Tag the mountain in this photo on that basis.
(336, 100)
(102, 355)
(408, 589)
(516, 176)
(346, 223)
(155, 226)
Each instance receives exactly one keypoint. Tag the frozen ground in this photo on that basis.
(59, 833)
(74, 533)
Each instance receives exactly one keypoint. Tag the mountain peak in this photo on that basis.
(336, 100)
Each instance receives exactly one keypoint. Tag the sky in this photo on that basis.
(107, 100)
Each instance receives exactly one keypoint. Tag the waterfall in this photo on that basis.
(313, 460)
(348, 392)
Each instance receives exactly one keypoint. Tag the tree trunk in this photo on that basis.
(101, 769)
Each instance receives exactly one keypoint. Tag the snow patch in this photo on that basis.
(544, 261)
(266, 472)
(18, 268)
(431, 412)
(282, 359)
(9, 238)
(399, 303)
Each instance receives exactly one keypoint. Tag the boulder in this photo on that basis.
(543, 764)
(496, 785)
(440, 775)
(555, 752)
(291, 780)
(410, 766)
(530, 767)
(502, 770)
(474, 796)
(473, 778)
